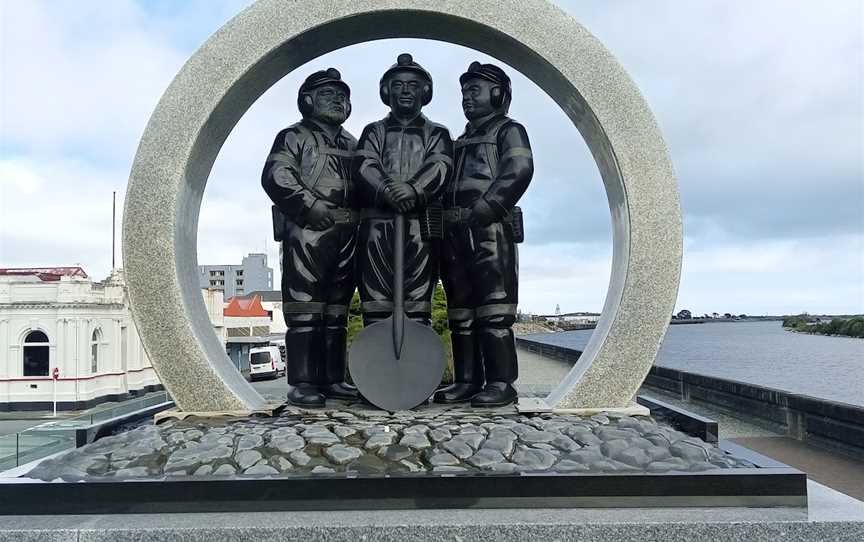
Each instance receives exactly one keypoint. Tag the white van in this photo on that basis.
(265, 362)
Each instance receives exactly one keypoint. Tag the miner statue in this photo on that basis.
(402, 165)
(307, 175)
(482, 225)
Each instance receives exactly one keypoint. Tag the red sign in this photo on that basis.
(56, 373)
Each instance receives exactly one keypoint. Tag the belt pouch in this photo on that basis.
(517, 228)
(432, 221)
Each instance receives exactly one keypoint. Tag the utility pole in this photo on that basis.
(113, 225)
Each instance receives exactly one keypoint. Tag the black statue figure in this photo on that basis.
(402, 165)
(307, 175)
(479, 263)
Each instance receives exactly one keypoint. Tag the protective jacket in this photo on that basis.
(421, 155)
(479, 264)
(304, 166)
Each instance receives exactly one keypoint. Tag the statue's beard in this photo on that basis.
(330, 116)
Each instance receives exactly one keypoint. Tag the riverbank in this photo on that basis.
(765, 432)
(760, 353)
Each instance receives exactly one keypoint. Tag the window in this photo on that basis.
(239, 282)
(212, 273)
(36, 354)
(94, 351)
(239, 272)
(124, 347)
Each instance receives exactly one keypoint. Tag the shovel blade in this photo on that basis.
(396, 384)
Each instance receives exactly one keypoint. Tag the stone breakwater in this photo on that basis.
(371, 442)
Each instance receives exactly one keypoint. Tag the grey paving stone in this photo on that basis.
(343, 432)
(203, 470)
(439, 435)
(485, 458)
(341, 454)
(474, 440)
(458, 448)
(381, 439)
(533, 459)
(440, 458)
(299, 458)
(417, 441)
(225, 470)
(289, 443)
(259, 470)
(249, 442)
(247, 458)
(395, 453)
(501, 445)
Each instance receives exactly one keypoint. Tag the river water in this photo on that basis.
(760, 353)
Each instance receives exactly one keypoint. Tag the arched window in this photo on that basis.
(94, 351)
(36, 354)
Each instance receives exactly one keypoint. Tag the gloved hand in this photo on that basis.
(319, 217)
(401, 197)
(481, 214)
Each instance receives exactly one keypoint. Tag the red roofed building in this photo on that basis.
(245, 307)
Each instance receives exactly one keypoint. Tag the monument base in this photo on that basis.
(270, 409)
(355, 458)
(537, 405)
(829, 516)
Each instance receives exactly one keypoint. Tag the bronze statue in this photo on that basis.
(402, 165)
(479, 263)
(307, 175)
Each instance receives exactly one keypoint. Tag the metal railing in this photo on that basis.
(56, 436)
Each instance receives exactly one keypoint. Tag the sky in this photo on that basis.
(761, 104)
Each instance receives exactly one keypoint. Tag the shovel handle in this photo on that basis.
(398, 284)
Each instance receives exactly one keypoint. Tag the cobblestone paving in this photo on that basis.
(372, 442)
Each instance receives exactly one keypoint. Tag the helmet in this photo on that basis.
(502, 92)
(405, 62)
(318, 79)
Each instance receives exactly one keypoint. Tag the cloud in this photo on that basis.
(760, 103)
(47, 220)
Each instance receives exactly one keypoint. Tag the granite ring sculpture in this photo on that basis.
(270, 39)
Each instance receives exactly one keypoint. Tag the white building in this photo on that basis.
(59, 318)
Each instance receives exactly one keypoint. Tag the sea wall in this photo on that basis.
(829, 424)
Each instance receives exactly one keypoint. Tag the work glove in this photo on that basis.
(319, 217)
(481, 214)
(401, 197)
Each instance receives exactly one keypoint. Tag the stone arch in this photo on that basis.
(270, 39)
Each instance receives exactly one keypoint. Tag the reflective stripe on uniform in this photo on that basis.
(303, 307)
(478, 140)
(516, 151)
(336, 310)
(460, 315)
(387, 306)
(498, 309)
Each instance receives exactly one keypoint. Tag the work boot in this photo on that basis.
(495, 394)
(498, 348)
(305, 395)
(467, 371)
(303, 341)
(333, 384)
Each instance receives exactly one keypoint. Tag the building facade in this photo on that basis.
(60, 319)
(236, 280)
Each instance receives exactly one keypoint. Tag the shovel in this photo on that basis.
(397, 363)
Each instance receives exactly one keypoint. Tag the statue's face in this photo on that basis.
(406, 93)
(477, 98)
(330, 104)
